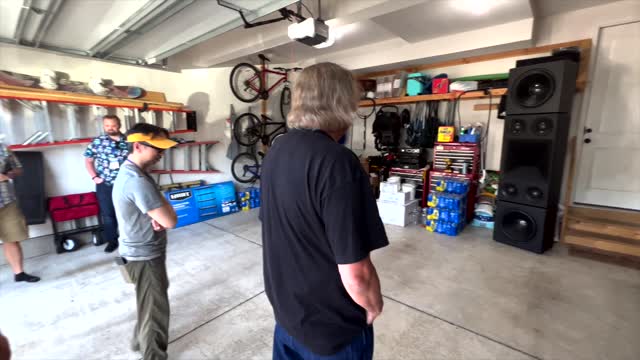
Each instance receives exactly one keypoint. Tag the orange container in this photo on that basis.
(446, 133)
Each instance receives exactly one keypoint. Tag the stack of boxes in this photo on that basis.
(202, 203)
(447, 207)
(397, 204)
(249, 198)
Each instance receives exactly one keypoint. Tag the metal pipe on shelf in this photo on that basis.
(31, 138)
(72, 122)
(47, 120)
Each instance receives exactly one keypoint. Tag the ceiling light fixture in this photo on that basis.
(475, 7)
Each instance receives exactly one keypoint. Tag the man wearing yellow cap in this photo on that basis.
(143, 217)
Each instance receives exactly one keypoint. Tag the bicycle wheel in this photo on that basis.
(247, 129)
(245, 168)
(285, 102)
(274, 137)
(245, 82)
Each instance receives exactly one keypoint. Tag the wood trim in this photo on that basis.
(569, 187)
(583, 71)
(418, 98)
(604, 245)
(625, 232)
(485, 107)
(625, 217)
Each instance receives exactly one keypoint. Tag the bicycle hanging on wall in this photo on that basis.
(248, 83)
(248, 129)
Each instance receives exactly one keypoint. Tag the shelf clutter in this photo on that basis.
(153, 106)
(450, 198)
(432, 97)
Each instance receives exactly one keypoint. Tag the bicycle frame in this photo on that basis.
(264, 71)
(266, 121)
(254, 170)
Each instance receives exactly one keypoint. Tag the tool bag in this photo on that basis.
(423, 128)
(386, 128)
(73, 206)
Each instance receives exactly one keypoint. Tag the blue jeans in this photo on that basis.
(107, 212)
(285, 347)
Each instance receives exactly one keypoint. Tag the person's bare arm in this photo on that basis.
(165, 216)
(363, 285)
(88, 163)
(5, 349)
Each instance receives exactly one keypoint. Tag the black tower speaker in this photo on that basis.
(538, 106)
(542, 88)
(533, 152)
(30, 187)
(527, 227)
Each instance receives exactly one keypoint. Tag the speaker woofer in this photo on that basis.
(542, 126)
(519, 226)
(534, 88)
(516, 126)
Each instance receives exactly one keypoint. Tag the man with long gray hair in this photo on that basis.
(319, 224)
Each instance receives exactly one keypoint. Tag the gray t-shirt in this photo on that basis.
(135, 194)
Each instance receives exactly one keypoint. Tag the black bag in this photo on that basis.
(30, 187)
(386, 128)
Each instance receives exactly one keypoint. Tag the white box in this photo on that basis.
(387, 187)
(394, 214)
(398, 198)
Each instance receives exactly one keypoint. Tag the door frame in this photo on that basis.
(586, 100)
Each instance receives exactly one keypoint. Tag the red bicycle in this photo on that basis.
(248, 83)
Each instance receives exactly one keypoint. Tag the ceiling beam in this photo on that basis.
(45, 23)
(131, 21)
(146, 25)
(346, 12)
(22, 20)
(215, 31)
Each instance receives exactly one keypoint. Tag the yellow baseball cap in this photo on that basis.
(158, 141)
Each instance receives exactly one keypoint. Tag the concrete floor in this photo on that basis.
(445, 298)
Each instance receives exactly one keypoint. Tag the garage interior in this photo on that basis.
(561, 280)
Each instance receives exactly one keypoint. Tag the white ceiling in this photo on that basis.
(438, 18)
(200, 33)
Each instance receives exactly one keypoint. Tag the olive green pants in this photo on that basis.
(151, 333)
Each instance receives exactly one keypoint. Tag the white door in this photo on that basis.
(609, 164)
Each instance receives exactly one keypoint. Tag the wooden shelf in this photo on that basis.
(86, 141)
(447, 96)
(183, 131)
(197, 143)
(53, 144)
(25, 93)
(583, 71)
(185, 172)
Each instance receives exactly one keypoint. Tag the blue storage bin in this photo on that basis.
(469, 138)
(203, 203)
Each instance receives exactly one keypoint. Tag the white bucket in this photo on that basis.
(393, 179)
(411, 188)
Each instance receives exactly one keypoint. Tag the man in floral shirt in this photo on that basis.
(104, 156)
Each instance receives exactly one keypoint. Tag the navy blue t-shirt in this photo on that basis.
(318, 211)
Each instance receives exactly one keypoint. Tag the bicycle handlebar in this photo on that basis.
(287, 70)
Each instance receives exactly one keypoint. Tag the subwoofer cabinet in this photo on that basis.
(538, 107)
(527, 227)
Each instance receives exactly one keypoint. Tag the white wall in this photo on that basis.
(206, 91)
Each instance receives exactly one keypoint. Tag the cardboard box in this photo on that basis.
(398, 198)
(399, 215)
